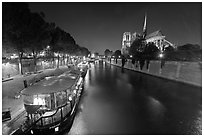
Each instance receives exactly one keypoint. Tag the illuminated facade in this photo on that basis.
(159, 40)
(156, 37)
(126, 42)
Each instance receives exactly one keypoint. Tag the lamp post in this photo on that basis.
(161, 56)
(70, 100)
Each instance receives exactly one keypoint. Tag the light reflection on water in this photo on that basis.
(132, 103)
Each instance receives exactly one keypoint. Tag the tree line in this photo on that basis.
(24, 31)
(141, 51)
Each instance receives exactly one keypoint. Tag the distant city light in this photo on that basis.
(56, 54)
(93, 55)
(42, 53)
(14, 56)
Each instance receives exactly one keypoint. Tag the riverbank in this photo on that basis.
(185, 72)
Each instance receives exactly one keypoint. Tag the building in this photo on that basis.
(126, 42)
(159, 40)
(156, 37)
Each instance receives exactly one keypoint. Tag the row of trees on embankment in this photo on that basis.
(25, 32)
(187, 52)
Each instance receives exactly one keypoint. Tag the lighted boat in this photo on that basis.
(51, 103)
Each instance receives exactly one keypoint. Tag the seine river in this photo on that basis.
(117, 102)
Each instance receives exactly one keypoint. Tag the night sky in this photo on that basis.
(99, 26)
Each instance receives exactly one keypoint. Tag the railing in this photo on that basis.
(28, 126)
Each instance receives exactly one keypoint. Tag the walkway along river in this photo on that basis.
(127, 102)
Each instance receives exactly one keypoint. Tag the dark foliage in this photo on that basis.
(25, 31)
(107, 53)
(117, 53)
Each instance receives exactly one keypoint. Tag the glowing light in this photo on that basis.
(39, 101)
(161, 55)
(56, 54)
(131, 56)
(93, 55)
(7, 63)
(119, 56)
(70, 98)
(57, 129)
(14, 56)
(42, 53)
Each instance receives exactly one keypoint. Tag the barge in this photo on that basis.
(51, 103)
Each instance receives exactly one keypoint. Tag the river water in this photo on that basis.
(116, 102)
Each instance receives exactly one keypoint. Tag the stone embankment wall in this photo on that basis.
(186, 72)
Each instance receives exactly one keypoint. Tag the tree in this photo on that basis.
(189, 47)
(107, 53)
(82, 51)
(151, 51)
(69, 46)
(38, 34)
(187, 52)
(117, 53)
(85, 51)
(56, 43)
(16, 18)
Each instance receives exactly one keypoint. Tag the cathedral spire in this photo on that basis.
(145, 27)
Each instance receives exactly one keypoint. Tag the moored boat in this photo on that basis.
(51, 103)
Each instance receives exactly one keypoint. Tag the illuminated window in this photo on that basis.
(39, 100)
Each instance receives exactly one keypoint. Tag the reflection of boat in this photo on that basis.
(51, 103)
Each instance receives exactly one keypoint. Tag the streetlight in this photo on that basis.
(161, 55)
(70, 100)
